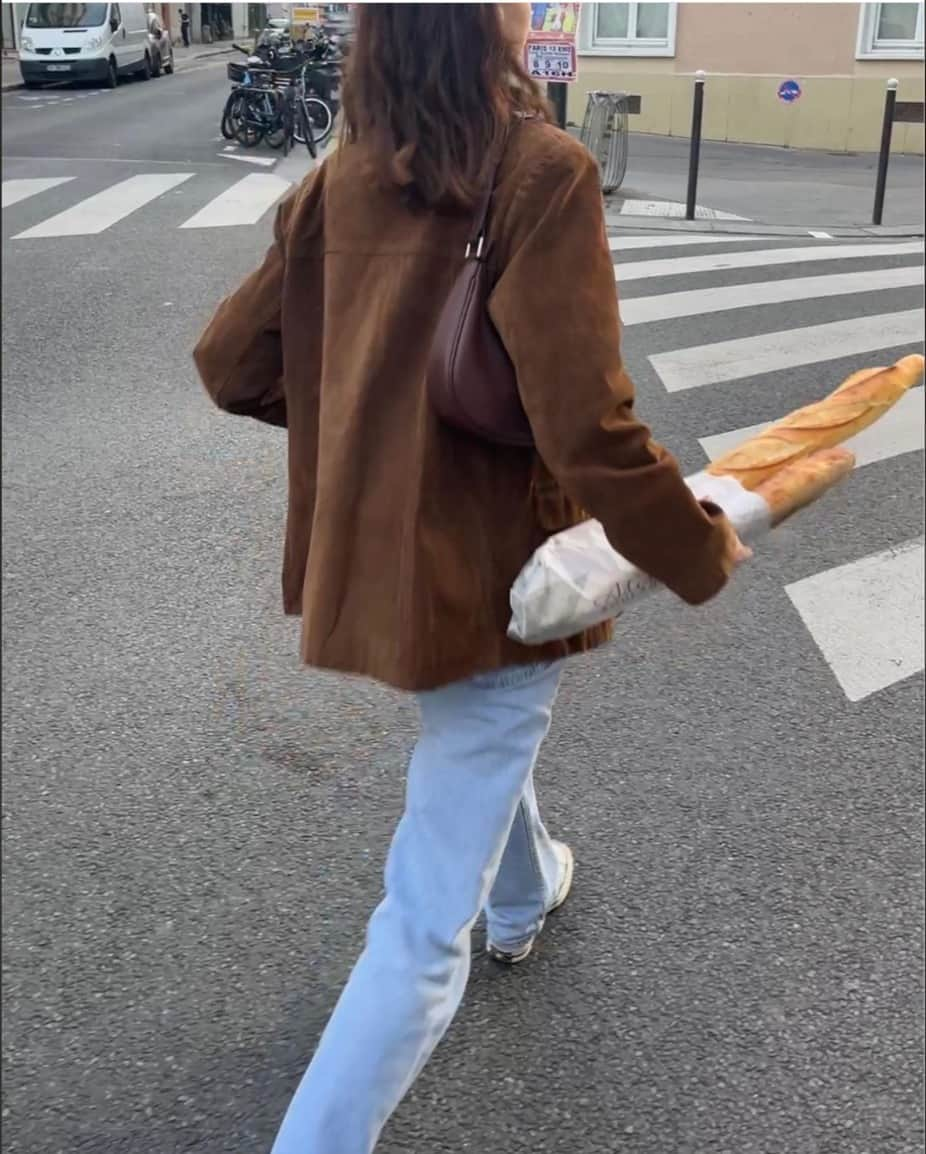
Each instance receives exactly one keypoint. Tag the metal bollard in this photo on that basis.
(887, 128)
(556, 94)
(694, 155)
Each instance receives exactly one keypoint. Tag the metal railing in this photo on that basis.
(605, 134)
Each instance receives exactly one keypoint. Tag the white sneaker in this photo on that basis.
(567, 864)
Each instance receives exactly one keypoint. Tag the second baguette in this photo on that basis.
(803, 481)
(858, 402)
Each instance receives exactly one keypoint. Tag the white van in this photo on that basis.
(84, 42)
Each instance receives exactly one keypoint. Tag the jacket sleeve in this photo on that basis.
(555, 307)
(240, 354)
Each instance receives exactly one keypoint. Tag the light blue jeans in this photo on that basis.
(470, 838)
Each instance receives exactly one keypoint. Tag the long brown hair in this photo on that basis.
(431, 88)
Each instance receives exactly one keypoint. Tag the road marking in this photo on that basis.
(13, 191)
(642, 310)
(296, 167)
(673, 209)
(261, 161)
(819, 234)
(299, 164)
(900, 430)
(720, 261)
(620, 243)
(867, 618)
(244, 203)
(749, 356)
(106, 208)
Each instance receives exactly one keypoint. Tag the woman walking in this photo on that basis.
(404, 534)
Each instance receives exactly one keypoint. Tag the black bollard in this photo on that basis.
(887, 128)
(556, 94)
(694, 154)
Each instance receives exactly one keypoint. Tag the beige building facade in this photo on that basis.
(839, 57)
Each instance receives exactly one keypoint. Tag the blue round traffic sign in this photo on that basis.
(789, 91)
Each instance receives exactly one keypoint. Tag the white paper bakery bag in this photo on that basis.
(576, 580)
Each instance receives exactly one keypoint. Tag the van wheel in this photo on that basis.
(145, 71)
(112, 74)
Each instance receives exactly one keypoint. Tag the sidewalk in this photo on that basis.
(782, 187)
(183, 58)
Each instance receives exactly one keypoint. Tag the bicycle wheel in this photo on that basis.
(286, 130)
(302, 130)
(319, 116)
(233, 116)
(274, 113)
(250, 127)
(227, 130)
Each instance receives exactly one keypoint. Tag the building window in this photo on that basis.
(891, 32)
(627, 29)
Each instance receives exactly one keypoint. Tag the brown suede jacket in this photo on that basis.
(403, 536)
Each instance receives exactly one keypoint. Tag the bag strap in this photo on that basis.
(477, 237)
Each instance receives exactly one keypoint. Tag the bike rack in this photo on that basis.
(605, 134)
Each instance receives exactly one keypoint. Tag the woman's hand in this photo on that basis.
(735, 551)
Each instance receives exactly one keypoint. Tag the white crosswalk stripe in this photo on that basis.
(864, 615)
(724, 298)
(244, 203)
(676, 240)
(867, 618)
(13, 191)
(718, 262)
(104, 209)
(748, 356)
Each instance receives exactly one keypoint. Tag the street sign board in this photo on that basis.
(551, 61)
(789, 91)
(550, 53)
(305, 15)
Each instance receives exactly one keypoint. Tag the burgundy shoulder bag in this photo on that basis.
(471, 381)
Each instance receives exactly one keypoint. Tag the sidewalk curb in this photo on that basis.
(213, 52)
(620, 222)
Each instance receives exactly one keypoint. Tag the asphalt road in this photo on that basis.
(194, 826)
(173, 118)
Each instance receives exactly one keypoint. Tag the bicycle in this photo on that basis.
(274, 105)
(321, 82)
(296, 125)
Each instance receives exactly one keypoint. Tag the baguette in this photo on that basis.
(803, 481)
(858, 402)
